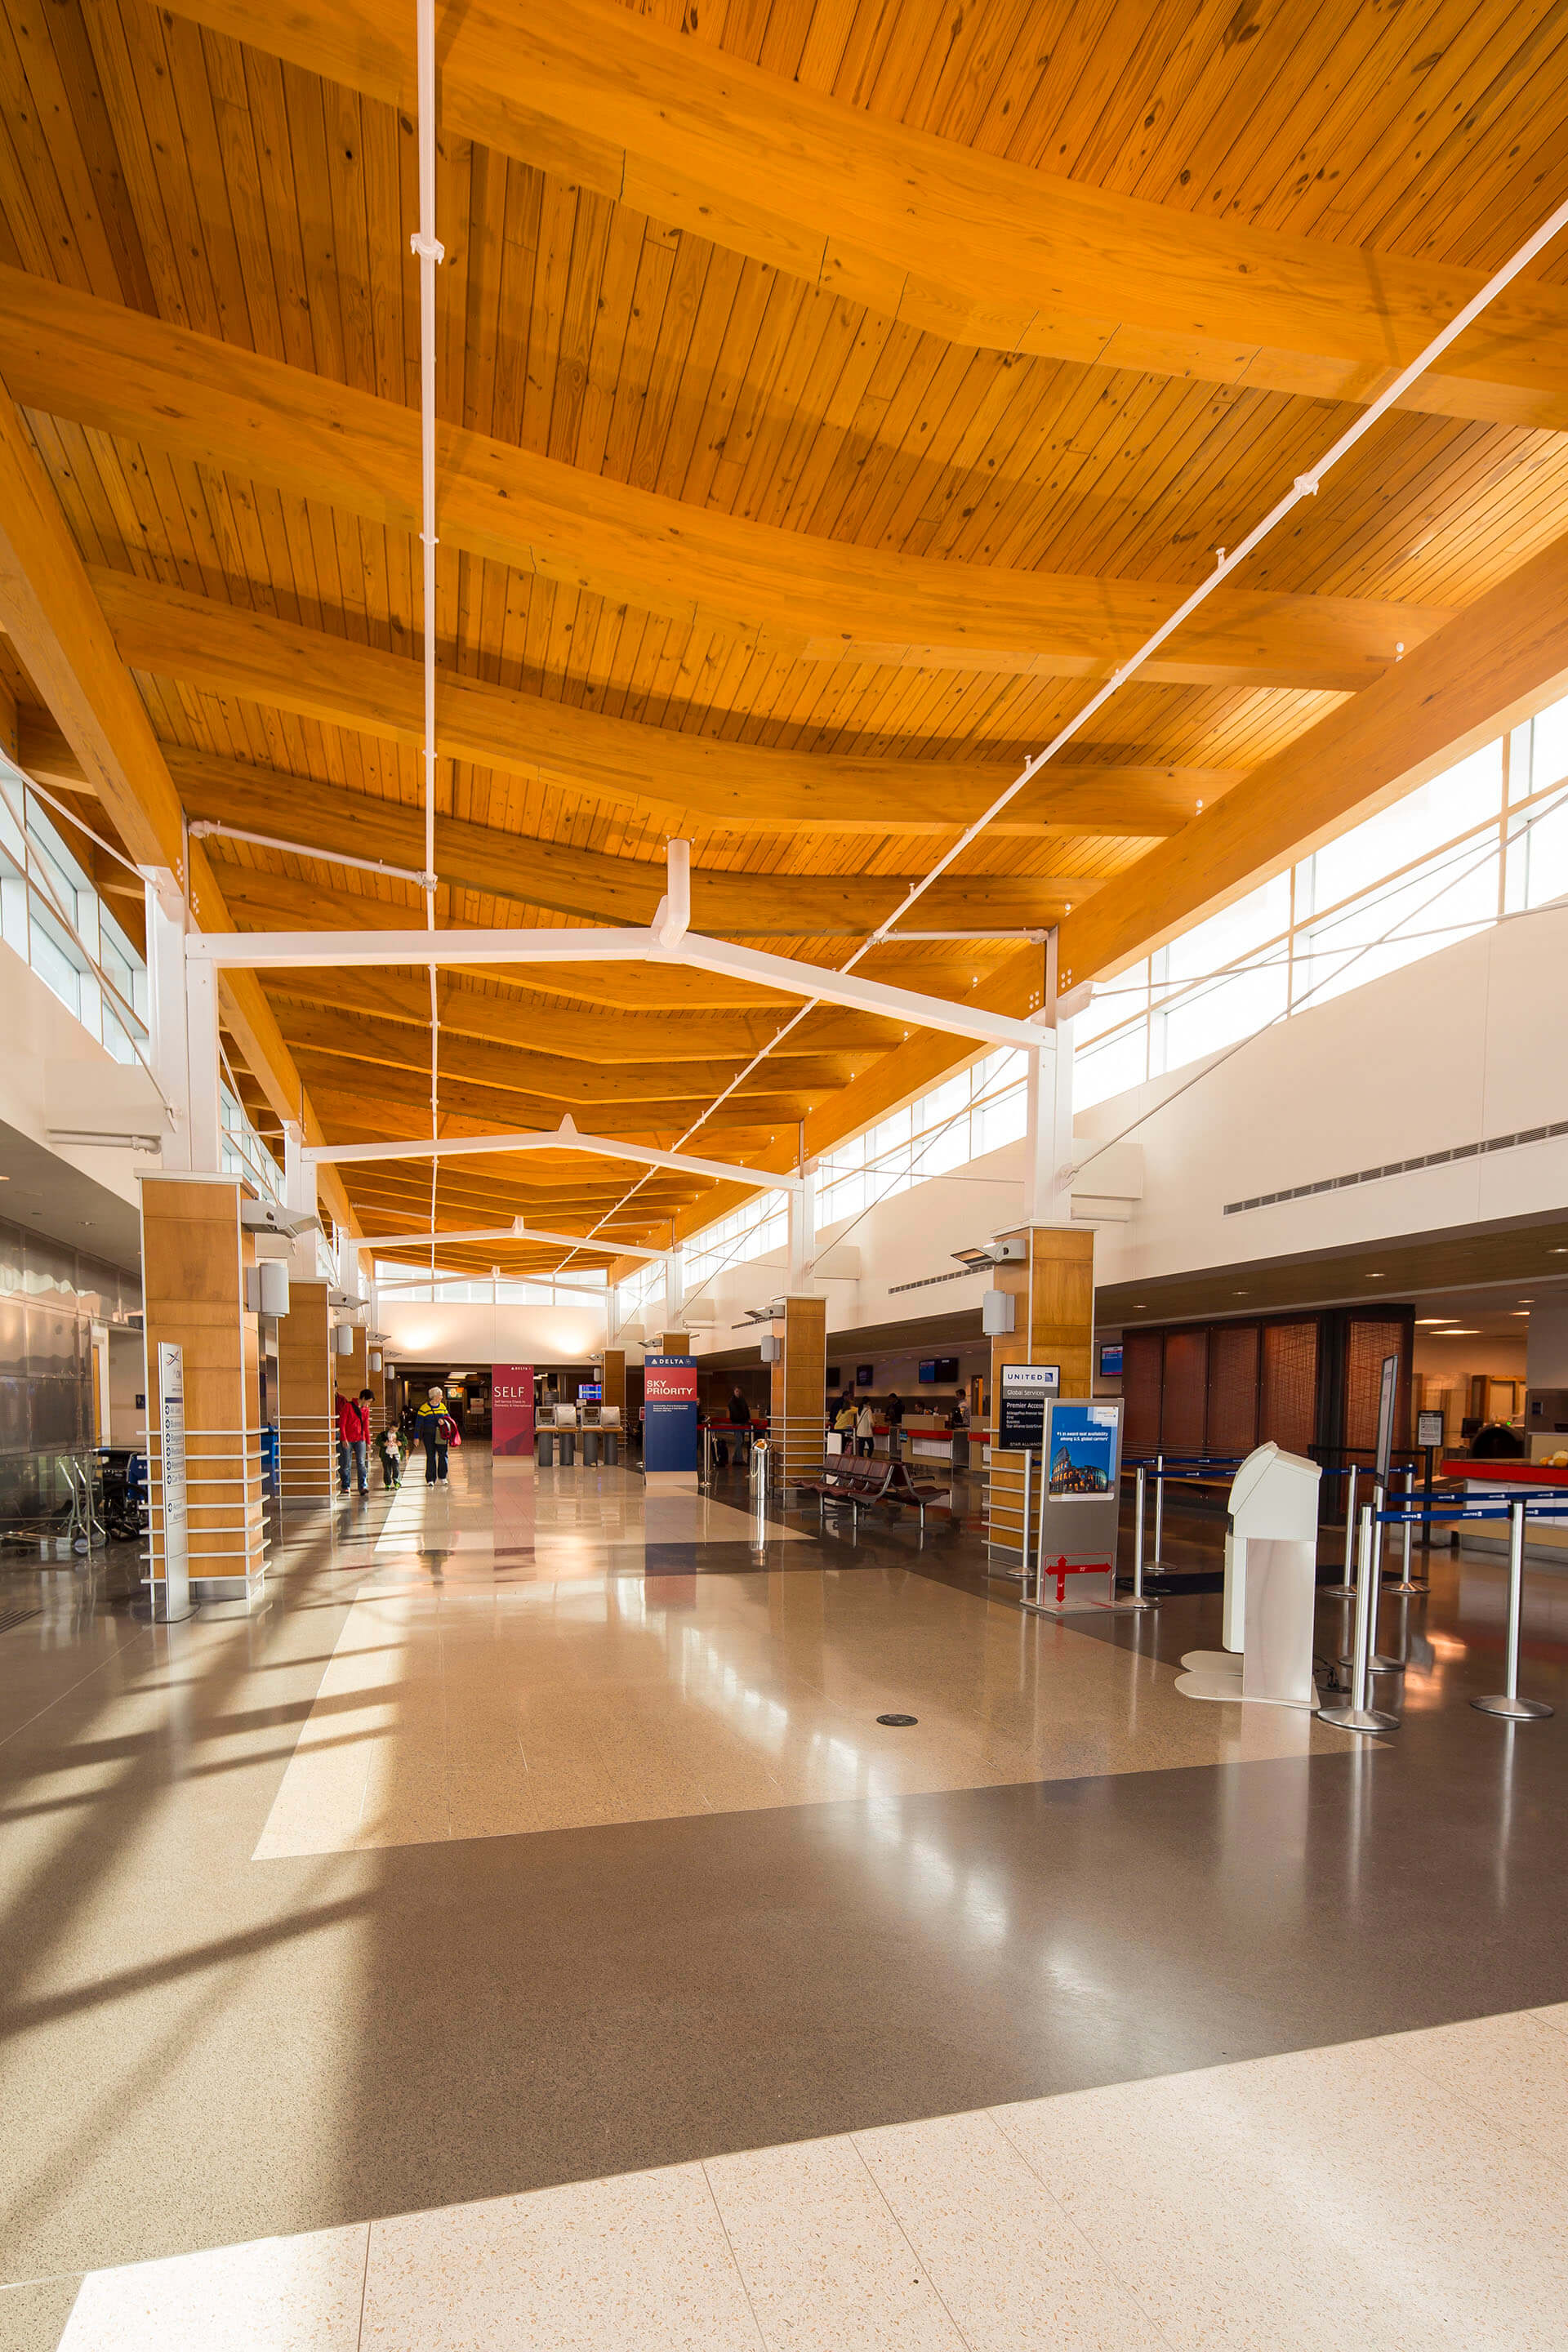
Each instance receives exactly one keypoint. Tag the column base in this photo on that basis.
(246, 1590)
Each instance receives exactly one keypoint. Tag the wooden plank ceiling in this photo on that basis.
(795, 549)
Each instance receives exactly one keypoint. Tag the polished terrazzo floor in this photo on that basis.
(520, 1932)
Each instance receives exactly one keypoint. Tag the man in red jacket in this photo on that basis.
(353, 1441)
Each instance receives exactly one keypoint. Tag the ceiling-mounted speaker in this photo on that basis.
(773, 1347)
(998, 1313)
(343, 1338)
(375, 1362)
(274, 1285)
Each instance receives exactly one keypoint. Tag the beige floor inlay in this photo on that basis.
(1369, 2193)
(586, 1698)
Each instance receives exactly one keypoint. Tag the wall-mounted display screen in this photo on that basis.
(864, 1375)
(939, 1367)
(1110, 1360)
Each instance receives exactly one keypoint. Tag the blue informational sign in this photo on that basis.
(1084, 1453)
(669, 1413)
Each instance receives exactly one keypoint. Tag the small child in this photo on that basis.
(389, 1446)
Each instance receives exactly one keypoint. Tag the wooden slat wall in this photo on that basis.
(308, 1435)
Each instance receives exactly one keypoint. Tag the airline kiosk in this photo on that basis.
(1270, 1587)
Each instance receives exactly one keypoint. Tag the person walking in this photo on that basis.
(894, 1413)
(391, 1452)
(866, 1429)
(433, 1427)
(740, 1423)
(353, 1443)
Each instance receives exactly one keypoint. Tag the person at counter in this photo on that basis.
(958, 1416)
(866, 1429)
(1495, 1442)
(894, 1413)
(844, 1424)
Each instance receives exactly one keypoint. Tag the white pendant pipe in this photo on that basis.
(429, 252)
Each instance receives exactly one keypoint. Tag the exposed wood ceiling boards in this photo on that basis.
(1123, 799)
(233, 650)
(376, 1042)
(1506, 657)
(348, 1086)
(806, 598)
(610, 100)
(715, 467)
(565, 880)
(515, 1017)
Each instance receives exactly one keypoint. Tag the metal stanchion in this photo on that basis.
(1407, 1583)
(1346, 1590)
(1360, 1715)
(1139, 1600)
(1379, 1661)
(1024, 1552)
(1508, 1703)
(1159, 1510)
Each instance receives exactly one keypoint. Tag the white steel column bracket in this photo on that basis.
(286, 950)
(565, 1138)
(420, 1237)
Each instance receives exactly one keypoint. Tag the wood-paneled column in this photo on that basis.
(1053, 1323)
(195, 1257)
(307, 1428)
(615, 1379)
(799, 1397)
(675, 1343)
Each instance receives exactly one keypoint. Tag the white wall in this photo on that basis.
(1468, 1043)
(470, 1335)
(42, 1038)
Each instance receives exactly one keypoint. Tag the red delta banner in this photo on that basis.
(669, 1380)
(511, 1408)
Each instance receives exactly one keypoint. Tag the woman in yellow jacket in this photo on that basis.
(433, 1428)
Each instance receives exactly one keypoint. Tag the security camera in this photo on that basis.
(271, 1217)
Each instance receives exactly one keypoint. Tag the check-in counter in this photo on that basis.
(928, 1438)
(1543, 1537)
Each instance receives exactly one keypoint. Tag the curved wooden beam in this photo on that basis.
(783, 591)
(170, 633)
(963, 244)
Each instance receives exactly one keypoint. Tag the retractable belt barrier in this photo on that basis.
(1518, 1511)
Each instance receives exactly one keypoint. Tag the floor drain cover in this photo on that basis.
(898, 1721)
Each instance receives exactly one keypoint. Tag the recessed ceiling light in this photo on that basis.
(1377, 1278)
(1465, 1334)
(1425, 1321)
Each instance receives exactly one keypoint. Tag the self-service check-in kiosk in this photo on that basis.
(1270, 1587)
